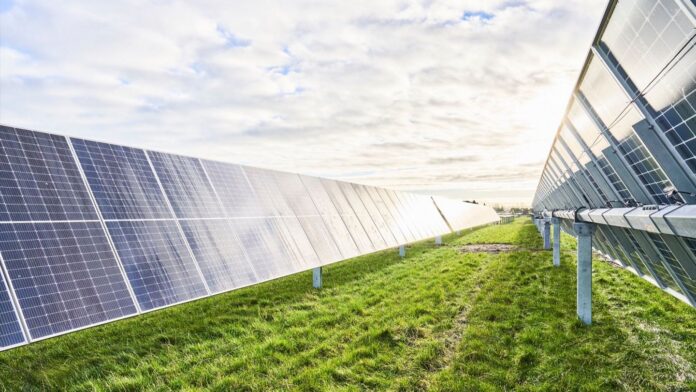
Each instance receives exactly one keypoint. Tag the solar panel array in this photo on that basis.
(93, 232)
(629, 136)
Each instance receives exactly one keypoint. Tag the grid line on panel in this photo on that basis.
(404, 209)
(39, 179)
(186, 185)
(64, 274)
(157, 262)
(122, 181)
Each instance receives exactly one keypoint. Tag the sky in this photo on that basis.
(453, 98)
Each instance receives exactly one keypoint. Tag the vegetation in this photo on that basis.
(439, 319)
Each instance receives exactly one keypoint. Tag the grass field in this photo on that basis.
(439, 319)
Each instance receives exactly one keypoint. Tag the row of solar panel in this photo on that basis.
(92, 232)
(629, 135)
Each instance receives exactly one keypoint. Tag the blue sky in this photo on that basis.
(457, 98)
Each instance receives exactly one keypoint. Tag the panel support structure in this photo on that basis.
(584, 232)
(317, 278)
(556, 241)
(402, 251)
(547, 234)
(438, 240)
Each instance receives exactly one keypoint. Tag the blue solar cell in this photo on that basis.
(158, 264)
(187, 186)
(265, 247)
(64, 274)
(122, 181)
(10, 331)
(220, 254)
(39, 179)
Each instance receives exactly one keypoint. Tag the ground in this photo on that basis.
(441, 319)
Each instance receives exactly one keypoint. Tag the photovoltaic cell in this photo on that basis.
(64, 274)
(10, 331)
(186, 185)
(386, 215)
(220, 254)
(157, 262)
(39, 179)
(122, 181)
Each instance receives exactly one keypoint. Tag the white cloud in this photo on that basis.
(460, 98)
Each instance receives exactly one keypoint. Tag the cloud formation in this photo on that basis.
(459, 98)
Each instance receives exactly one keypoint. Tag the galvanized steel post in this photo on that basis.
(402, 251)
(316, 277)
(556, 241)
(584, 232)
(547, 234)
(438, 240)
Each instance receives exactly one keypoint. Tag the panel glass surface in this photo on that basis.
(122, 181)
(233, 189)
(219, 253)
(39, 179)
(64, 274)
(351, 220)
(10, 330)
(375, 214)
(363, 215)
(395, 214)
(157, 262)
(186, 185)
(264, 246)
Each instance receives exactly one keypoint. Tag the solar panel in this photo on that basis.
(92, 232)
(334, 222)
(64, 274)
(186, 184)
(363, 215)
(233, 189)
(220, 254)
(157, 261)
(39, 179)
(303, 207)
(10, 330)
(383, 209)
(396, 215)
(122, 181)
(376, 215)
(349, 217)
(407, 210)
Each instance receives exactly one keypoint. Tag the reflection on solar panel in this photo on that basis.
(92, 232)
(625, 151)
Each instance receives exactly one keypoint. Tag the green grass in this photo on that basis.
(436, 320)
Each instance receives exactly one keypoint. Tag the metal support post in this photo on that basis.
(438, 240)
(556, 241)
(584, 232)
(547, 234)
(402, 251)
(316, 278)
